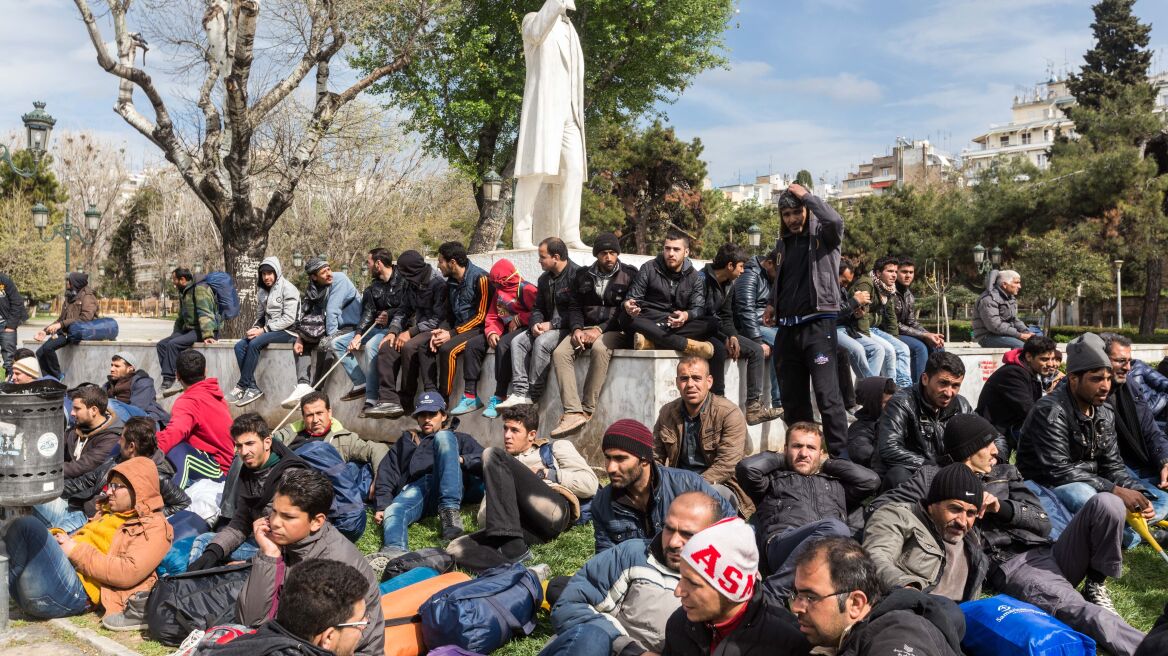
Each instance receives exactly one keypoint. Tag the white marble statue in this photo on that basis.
(550, 162)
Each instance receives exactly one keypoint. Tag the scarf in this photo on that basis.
(885, 290)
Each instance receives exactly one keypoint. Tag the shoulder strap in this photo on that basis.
(546, 455)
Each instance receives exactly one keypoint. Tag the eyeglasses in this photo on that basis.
(356, 625)
(810, 598)
(114, 487)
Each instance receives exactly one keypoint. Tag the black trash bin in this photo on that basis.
(32, 442)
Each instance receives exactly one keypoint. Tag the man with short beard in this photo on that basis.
(800, 497)
(665, 307)
(620, 600)
(639, 492)
(1013, 389)
(920, 342)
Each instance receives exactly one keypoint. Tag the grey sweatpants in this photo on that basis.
(1047, 576)
(529, 377)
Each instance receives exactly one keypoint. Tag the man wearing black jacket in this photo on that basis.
(596, 296)
(666, 305)
(804, 304)
(719, 277)
(382, 305)
(910, 431)
(752, 293)
(13, 312)
(1015, 531)
(531, 351)
(1011, 391)
(425, 308)
(800, 497)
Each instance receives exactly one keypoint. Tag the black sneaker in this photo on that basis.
(451, 520)
(170, 388)
(1097, 594)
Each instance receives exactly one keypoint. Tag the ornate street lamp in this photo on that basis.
(67, 230)
(755, 236)
(297, 259)
(492, 186)
(38, 127)
(1118, 294)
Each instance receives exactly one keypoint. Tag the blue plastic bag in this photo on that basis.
(1004, 626)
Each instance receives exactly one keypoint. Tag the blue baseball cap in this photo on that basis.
(429, 402)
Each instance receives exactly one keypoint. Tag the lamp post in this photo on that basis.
(67, 230)
(492, 191)
(755, 234)
(1118, 294)
(38, 127)
(297, 259)
(985, 267)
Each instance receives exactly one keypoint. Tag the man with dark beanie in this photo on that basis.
(932, 545)
(597, 293)
(1015, 534)
(634, 503)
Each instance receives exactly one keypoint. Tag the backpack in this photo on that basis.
(549, 463)
(483, 614)
(182, 603)
(226, 298)
(432, 557)
(349, 487)
(1004, 626)
(403, 629)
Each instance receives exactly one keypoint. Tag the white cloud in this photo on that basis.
(748, 78)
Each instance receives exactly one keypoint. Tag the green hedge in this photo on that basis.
(961, 331)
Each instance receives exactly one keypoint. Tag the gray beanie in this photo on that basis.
(128, 358)
(1086, 353)
(314, 264)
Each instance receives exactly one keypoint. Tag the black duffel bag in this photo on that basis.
(181, 603)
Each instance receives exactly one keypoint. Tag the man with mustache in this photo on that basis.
(1015, 535)
(932, 545)
(800, 495)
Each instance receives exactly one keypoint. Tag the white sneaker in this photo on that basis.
(514, 400)
(300, 392)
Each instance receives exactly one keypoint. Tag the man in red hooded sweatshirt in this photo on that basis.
(197, 441)
(507, 316)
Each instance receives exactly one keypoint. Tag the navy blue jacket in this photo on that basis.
(467, 301)
(613, 521)
(409, 460)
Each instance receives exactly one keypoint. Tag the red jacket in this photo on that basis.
(513, 297)
(200, 416)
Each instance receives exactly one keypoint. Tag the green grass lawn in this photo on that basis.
(1139, 596)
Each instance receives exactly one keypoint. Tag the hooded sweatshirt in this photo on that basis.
(426, 297)
(513, 297)
(137, 545)
(80, 301)
(271, 639)
(200, 416)
(85, 450)
(862, 432)
(279, 304)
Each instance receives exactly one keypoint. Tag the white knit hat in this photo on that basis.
(725, 555)
(28, 366)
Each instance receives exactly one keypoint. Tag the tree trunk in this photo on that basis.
(492, 220)
(1151, 306)
(244, 245)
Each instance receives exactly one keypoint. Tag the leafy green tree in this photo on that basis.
(42, 187)
(1118, 62)
(1055, 267)
(803, 177)
(119, 276)
(733, 224)
(463, 92)
(37, 268)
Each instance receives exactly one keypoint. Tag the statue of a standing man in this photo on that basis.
(550, 160)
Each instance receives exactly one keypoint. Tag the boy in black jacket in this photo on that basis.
(425, 472)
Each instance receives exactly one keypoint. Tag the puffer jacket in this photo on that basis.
(1061, 445)
(1020, 525)
(720, 302)
(625, 592)
(1141, 442)
(904, 544)
(278, 305)
(388, 296)
(467, 300)
(906, 313)
(198, 310)
(996, 313)
(513, 298)
(826, 228)
(907, 622)
(347, 443)
(786, 499)
(553, 297)
(752, 292)
(82, 306)
(910, 432)
(614, 521)
(850, 312)
(138, 546)
(723, 441)
(412, 456)
(1152, 385)
(1009, 393)
(765, 624)
(264, 584)
(81, 492)
(587, 308)
(660, 291)
(862, 431)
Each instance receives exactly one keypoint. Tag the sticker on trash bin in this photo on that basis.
(48, 487)
(9, 440)
(47, 444)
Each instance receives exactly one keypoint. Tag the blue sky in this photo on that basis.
(820, 84)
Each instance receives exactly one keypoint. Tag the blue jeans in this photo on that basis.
(857, 354)
(56, 513)
(247, 354)
(769, 335)
(46, 355)
(587, 639)
(919, 352)
(903, 357)
(441, 488)
(244, 551)
(1000, 341)
(370, 344)
(41, 580)
(1075, 495)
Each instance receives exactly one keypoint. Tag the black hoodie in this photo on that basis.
(907, 621)
(270, 639)
(862, 432)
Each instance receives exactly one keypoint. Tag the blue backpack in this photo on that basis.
(226, 298)
(549, 463)
(349, 485)
(483, 614)
(101, 329)
(1004, 626)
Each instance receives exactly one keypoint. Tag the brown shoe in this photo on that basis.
(641, 343)
(571, 422)
(757, 414)
(700, 349)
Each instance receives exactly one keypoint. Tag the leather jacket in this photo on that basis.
(1060, 445)
(906, 313)
(752, 290)
(720, 303)
(659, 290)
(383, 296)
(553, 297)
(911, 432)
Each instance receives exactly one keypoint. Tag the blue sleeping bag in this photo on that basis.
(1004, 626)
(102, 329)
(350, 482)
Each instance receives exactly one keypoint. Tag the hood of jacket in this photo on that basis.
(1013, 356)
(77, 280)
(413, 268)
(665, 271)
(273, 262)
(142, 474)
(208, 387)
(505, 277)
(870, 395)
(940, 612)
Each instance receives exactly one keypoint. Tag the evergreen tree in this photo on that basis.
(1118, 62)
